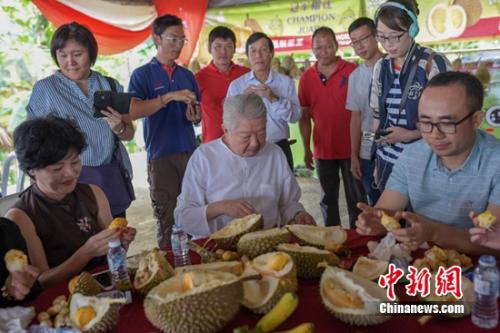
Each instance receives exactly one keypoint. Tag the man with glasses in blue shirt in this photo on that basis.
(440, 184)
(166, 96)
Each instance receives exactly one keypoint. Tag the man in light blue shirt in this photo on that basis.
(448, 177)
(276, 90)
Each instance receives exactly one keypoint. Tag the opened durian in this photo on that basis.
(351, 298)
(328, 238)
(133, 262)
(92, 314)
(153, 269)
(278, 277)
(234, 267)
(197, 301)
(307, 258)
(370, 268)
(229, 236)
(84, 284)
(255, 243)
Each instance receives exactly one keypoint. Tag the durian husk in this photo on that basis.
(233, 267)
(370, 268)
(307, 258)
(133, 262)
(84, 284)
(255, 243)
(320, 237)
(107, 313)
(273, 284)
(228, 237)
(361, 289)
(156, 267)
(212, 302)
(468, 297)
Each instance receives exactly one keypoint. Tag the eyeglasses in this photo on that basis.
(391, 39)
(174, 40)
(445, 128)
(356, 43)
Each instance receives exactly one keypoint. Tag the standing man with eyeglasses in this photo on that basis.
(215, 78)
(166, 97)
(447, 178)
(362, 33)
(322, 95)
(398, 81)
(276, 90)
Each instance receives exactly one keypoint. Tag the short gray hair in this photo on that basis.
(242, 106)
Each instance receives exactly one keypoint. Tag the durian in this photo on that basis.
(279, 276)
(84, 284)
(351, 298)
(204, 304)
(255, 243)
(307, 258)
(15, 260)
(92, 314)
(330, 238)
(228, 237)
(153, 269)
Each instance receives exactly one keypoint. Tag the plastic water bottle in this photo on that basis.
(180, 246)
(117, 263)
(486, 279)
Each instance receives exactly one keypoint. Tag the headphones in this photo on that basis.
(413, 29)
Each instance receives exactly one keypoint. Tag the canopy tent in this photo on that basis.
(120, 25)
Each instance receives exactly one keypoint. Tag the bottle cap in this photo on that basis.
(487, 260)
(114, 243)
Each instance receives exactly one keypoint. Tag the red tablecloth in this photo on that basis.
(310, 309)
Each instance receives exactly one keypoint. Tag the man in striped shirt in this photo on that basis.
(440, 184)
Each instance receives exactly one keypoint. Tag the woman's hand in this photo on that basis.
(97, 245)
(115, 120)
(18, 284)
(127, 236)
(484, 237)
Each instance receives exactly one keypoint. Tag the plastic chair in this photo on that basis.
(5, 175)
(7, 202)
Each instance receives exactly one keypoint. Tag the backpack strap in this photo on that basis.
(112, 83)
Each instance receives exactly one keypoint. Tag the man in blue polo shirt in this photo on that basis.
(166, 97)
(446, 178)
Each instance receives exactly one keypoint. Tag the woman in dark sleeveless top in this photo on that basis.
(64, 223)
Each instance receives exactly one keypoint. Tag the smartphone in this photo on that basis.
(117, 100)
(380, 134)
(104, 280)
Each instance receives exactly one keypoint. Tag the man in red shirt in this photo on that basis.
(214, 79)
(322, 95)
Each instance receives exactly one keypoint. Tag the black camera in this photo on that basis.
(381, 133)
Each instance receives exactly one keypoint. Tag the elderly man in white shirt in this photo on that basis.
(277, 91)
(239, 174)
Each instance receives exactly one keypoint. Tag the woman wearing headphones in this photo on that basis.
(398, 81)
